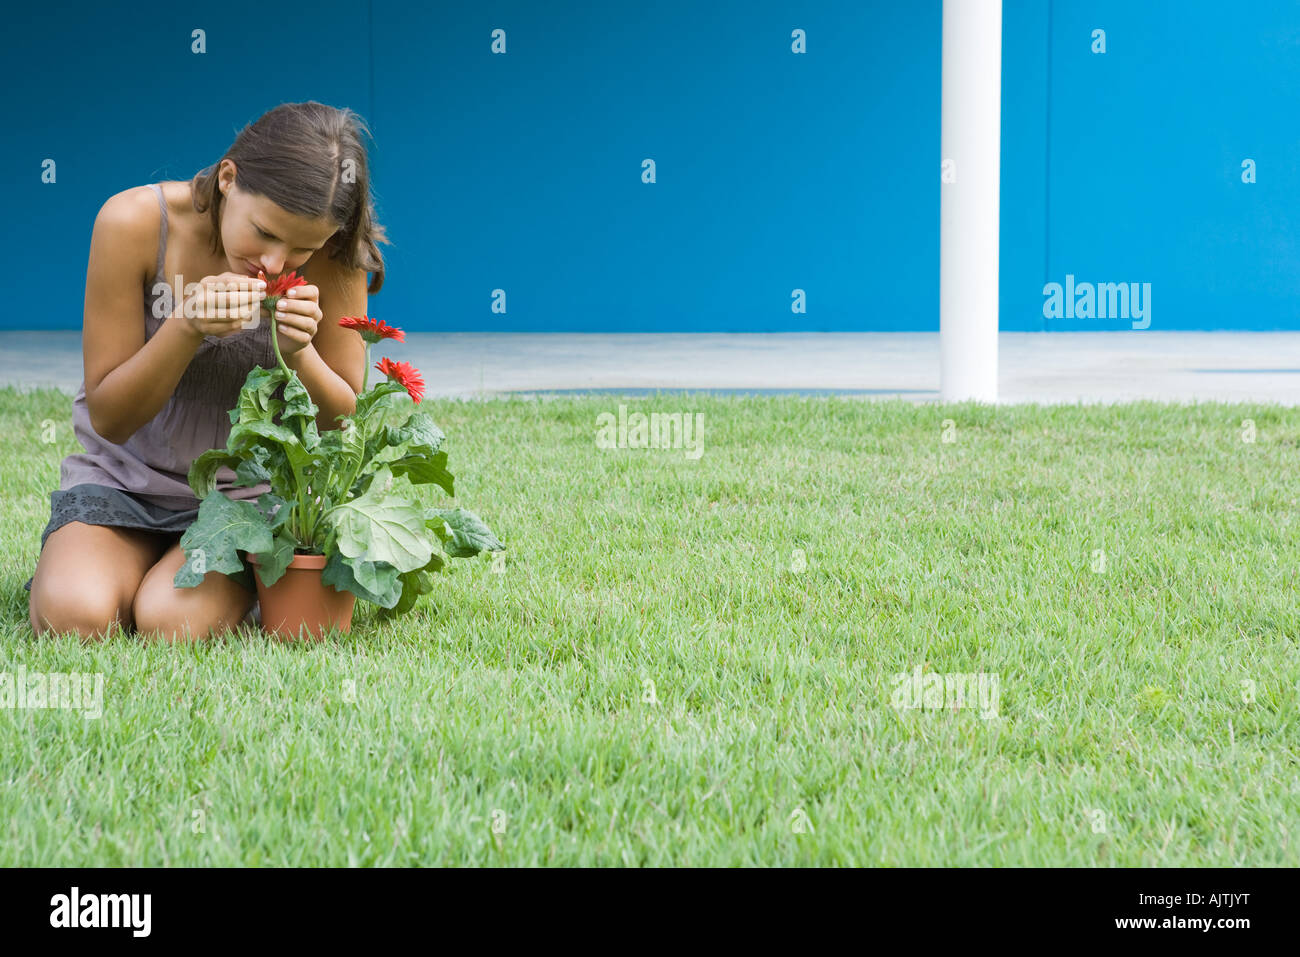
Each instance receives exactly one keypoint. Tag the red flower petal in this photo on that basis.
(405, 374)
(282, 284)
(372, 330)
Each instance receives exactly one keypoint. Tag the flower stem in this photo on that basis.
(275, 342)
(365, 377)
(301, 520)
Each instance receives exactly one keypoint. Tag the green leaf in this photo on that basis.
(390, 409)
(344, 450)
(421, 470)
(254, 469)
(255, 402)
(419, 434)
(272, 563)
(414, 584)
(203, 470)
(224, 527)
(381, 587)
(247, 435)
(412, 450)
(366, 400)
(383, 525)
(469, 535)
(352, 452)
(298, 405)
(276, 518)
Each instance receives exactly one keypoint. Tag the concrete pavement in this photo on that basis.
(1033, 367)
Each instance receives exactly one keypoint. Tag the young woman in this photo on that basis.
(163, 371)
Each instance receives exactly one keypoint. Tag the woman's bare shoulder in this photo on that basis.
(135, 198)
(132, 217)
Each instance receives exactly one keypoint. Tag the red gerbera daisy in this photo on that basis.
(372, 330)
(275, 288)
(404, 373)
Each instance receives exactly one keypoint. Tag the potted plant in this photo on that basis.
(343, 519)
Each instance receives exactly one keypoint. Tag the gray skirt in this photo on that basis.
(102, 505)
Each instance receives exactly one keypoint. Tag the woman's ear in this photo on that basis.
(226, 181)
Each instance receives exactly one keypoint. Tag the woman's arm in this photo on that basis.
(128, 380)
(331, 366)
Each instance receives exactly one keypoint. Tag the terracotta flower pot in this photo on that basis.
(299, 601)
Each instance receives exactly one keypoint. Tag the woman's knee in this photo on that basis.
(178, 621)
(87, 609)
(86, 578)
(163, 611)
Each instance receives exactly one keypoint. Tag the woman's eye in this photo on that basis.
(264, 234)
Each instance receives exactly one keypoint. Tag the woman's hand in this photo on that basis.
(297, 314)
(224, 304)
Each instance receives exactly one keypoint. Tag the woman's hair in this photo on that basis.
(307, 158)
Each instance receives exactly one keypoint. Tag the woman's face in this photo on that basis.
(258, 234)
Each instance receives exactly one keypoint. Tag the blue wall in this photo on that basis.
(1145, 151)
(775, 171)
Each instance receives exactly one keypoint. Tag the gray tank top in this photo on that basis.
(154, 462)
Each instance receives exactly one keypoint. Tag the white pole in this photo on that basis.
(971, 134)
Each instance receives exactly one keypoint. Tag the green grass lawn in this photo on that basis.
(692, 661)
